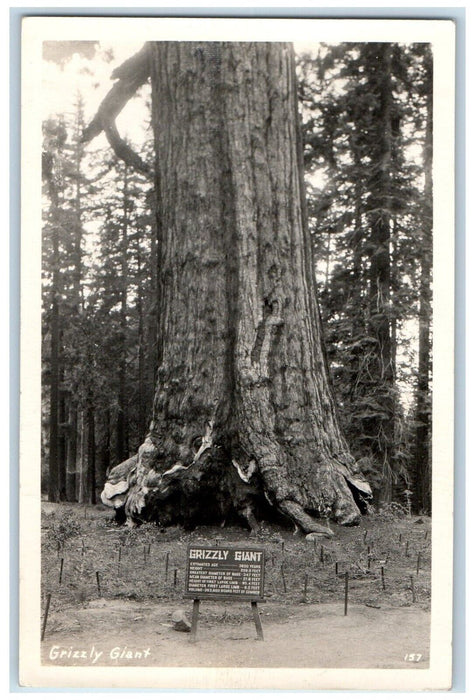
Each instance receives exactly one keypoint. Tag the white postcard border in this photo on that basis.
(441, 34)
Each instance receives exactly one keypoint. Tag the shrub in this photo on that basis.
(392, 511)
(68, 526)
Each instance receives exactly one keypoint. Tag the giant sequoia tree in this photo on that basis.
(243, 419)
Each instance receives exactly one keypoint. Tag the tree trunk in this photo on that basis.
(152, 320)
(76, 299)
(62, 437)
(381, 367)
(81, 469)
(53, 483)
(422, 470)
(91, 455)
(55, 367)
(71, 454)
(243, 413)
(141, 418)
(122, 446)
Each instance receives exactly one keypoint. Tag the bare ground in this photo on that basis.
(315, 636)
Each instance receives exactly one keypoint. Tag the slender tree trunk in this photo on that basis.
(422, 457)
(243, 413)
(382, 428)
(91, 455)
(142, 410)
(62, 437)
(357, 287)
(81, 481)
(71, 455)
(122, 447)
(327, 261)
(55, 368)
(154, 272)
(77, 303)
(53, 488)
(141, 350)
(105, 451)
(151, 342)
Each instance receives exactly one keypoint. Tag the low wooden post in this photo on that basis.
(418, 566)
(413, 589)
(98, 580)
(336, 568)
(283, 578)
(407, 548)
(382, 578)
(45, 618)
(194, 620)
(257, 621)
(61, 571)
(305, 584)
(346, 593)
(175, 577)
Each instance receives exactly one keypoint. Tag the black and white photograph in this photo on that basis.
(236, 456)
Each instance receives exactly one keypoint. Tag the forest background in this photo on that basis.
(367, 130)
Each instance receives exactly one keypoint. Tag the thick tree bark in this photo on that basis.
(243, 413)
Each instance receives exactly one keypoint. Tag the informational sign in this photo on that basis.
(225, 572)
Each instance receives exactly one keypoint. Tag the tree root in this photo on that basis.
(248, 514)
(181, 493)
(303, 519)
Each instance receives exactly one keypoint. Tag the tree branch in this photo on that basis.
(123, 150)
(133, 73)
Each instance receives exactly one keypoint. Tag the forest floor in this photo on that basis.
(124, 619)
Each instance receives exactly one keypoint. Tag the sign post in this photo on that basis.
(225, 573)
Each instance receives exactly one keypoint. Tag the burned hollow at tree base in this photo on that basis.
(244, 418)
